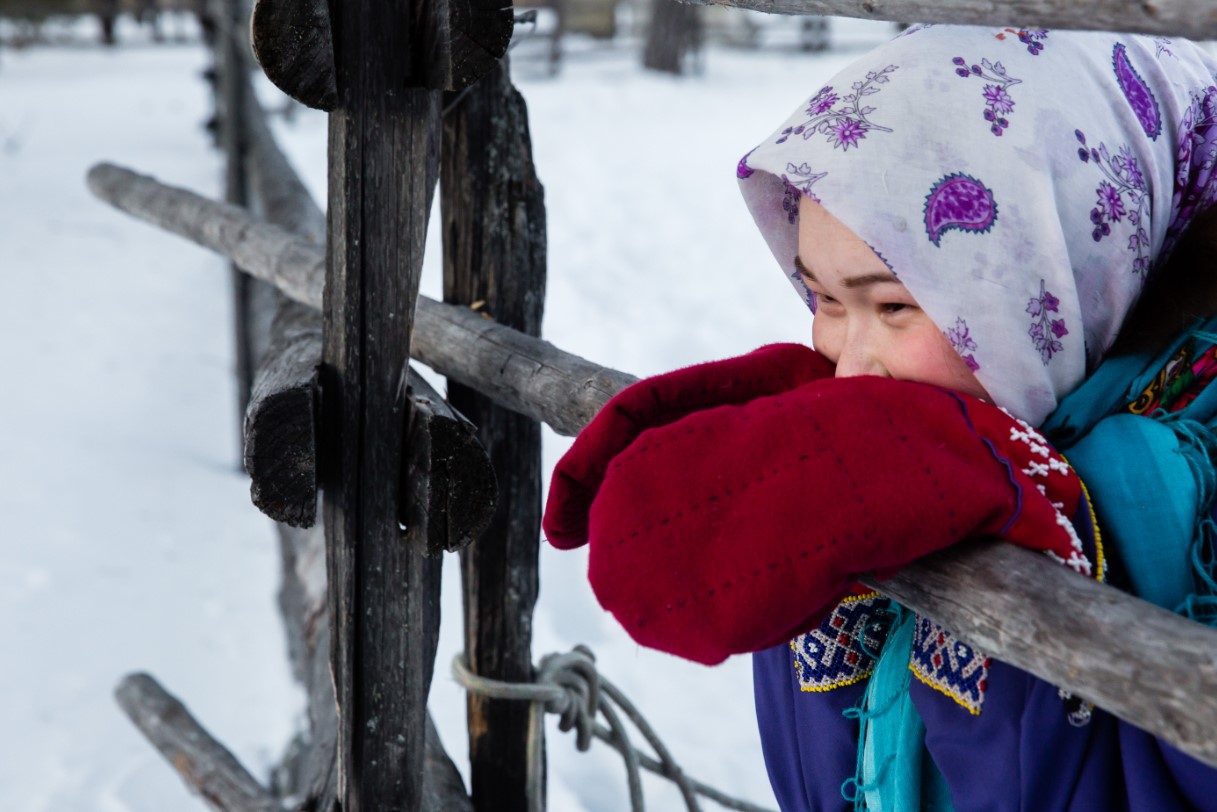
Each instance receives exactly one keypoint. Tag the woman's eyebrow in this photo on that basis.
(802, 269)
(849, 281)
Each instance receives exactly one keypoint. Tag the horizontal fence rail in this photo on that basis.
(1194, 19)
(525, 374)
(1145, 665)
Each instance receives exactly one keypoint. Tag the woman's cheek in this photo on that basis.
(824, 337)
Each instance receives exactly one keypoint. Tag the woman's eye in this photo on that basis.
(895, 307)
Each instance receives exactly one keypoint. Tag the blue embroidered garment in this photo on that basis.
(1137, 418)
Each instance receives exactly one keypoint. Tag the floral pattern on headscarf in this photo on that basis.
(1015, 180)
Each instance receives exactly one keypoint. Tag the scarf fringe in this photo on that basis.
(870, 707)
(1198, 445)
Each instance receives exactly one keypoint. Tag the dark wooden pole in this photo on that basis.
(232, 86)
(494, 252)
(384, 595)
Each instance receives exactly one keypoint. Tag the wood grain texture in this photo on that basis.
(206, 766)
(281, 421)
(303, 601)
(494, 254)
(1195, 19)
(294, 44)
(383, 593)
(451, 489)
(480, 33)
(282, 417)
(537, 379)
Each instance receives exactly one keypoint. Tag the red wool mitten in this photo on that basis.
(735, 528)
(658, 401)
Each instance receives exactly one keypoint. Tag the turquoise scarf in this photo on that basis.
(894, 771)
(1142, 434)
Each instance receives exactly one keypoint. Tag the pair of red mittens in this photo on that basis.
(730, 505)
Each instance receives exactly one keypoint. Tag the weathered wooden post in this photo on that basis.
(494, 253)
(230, 112)
(383, 599)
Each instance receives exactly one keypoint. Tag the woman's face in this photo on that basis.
(866, 321)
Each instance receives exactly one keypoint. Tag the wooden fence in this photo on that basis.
(420, 96)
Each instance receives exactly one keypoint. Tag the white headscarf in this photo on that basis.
(1021, 184)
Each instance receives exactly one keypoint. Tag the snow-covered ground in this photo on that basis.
(129, 542)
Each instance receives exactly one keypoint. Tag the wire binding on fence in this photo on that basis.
(569, 686)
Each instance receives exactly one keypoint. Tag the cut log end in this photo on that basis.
(448, 480)
(293, 43)
(281, 420)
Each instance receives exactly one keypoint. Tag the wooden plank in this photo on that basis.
(1195, 19)
(494, 254)
(540, 380)
(303, 600)
(383, 593)
(205, 765)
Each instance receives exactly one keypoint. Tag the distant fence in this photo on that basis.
(418, 98)
(27, 19)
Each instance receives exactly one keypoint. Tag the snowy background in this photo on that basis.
(129, 541)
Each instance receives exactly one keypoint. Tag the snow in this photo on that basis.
(130, 541)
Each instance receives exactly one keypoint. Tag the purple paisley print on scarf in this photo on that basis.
(1196, 155)
(1142, 101)
(742, 170)
(960, 202)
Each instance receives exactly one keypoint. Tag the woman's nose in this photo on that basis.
(859, 356)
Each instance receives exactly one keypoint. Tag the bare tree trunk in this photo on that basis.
(107, 14)
(676, 32)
